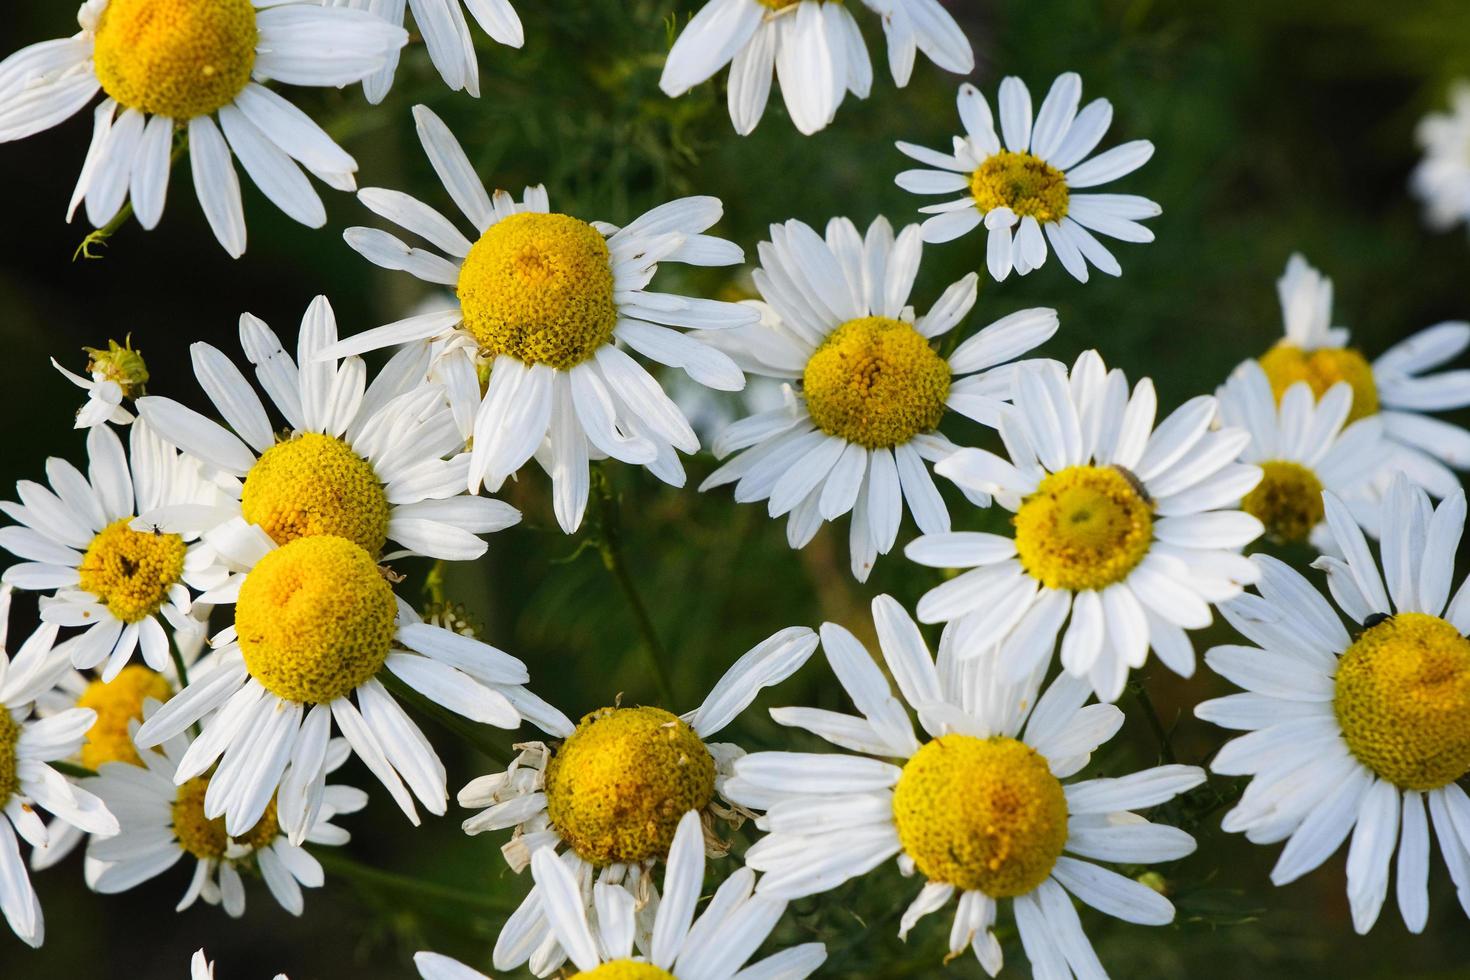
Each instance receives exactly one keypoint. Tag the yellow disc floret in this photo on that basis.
(983, 814)
(130, 572)
(1085, 527)
(1286, 364)
(1403, 701)
(205, 838)
(1027, 185)
(1288, 500)
(314, 484)
(119, 702)
(175, 58)
(616, 789)
(875, 382)
(315, 619)
(625, 970)
(9, 736)
(539, 287)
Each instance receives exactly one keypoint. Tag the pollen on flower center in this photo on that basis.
(205, 838)
(9, 736)
(539, 287)
(314, 484)
(1026, 184)
(117, 703)
(617, 787)
(625, 970)
(876, 382)
(1288, 500)
(1085, 527)
(315, 619)
(1403, 701)
(983, 814)
(175, 58)
(1286, 364)
(130, 572)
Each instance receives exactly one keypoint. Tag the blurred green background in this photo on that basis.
(1278, 125)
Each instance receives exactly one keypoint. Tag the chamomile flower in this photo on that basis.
(370, 463)
(814, 48)
(27, 744)
(1026, 185)
(873, 389)
(112, 375)
(447, 36)
(979, 808)
(192, 67)
(1442, 179)
(546, 303)
(316, 626)
(163, 823)
(116, 578)
(1356, 730)
(1133, 531)
(1301, 447)
(610, 794)
(1393, 387)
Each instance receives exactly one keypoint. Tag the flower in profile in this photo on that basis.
(1355, 732)
(113, 575)
(447, 36)
(27, 745)
(546, 304)
(979, 808)
(113, 374)
(372, 463)
(1392, 388)
(1442, 179)
(1027, 185)
(182, 70)
(873, 391)
(1124, 534)
(610, 794)
(814, 48)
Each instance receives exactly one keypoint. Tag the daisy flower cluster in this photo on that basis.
(220, 591)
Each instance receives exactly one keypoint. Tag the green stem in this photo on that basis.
(434, 585)
(336, 863)
(1166, 747)
(179, 667)
(471, 732)
(99, 237)
(610, 546)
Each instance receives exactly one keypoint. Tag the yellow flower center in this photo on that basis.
(175, 58)
(314, 484)
(539, 287)
(983, 814)
(206, 839)
(117, 703)
(9, 735)
(625, 970)
(617, 787)
(876, 382)
(1288, 500)
(1286, 364)
(130, 572)
(1027, 185)
(315, 619)
(1403, 701)
(1085, 527)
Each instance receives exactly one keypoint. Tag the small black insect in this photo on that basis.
(1375, 618)
(1135, 483)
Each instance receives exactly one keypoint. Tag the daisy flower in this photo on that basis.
(1132, 530)
(1355, 730)
(1393, 387)
(163, 823)
(446, 35)
(363, 462)
(203, 969)
(116, 578)
(979, 809)
(193, 67)
(1301, 447)
(873, 389)
(1442, 179)
(316, 627)
(112, 375)
(815, 49)
(546, 302)
(27, 744)
(609, 795)
(1026, 185)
